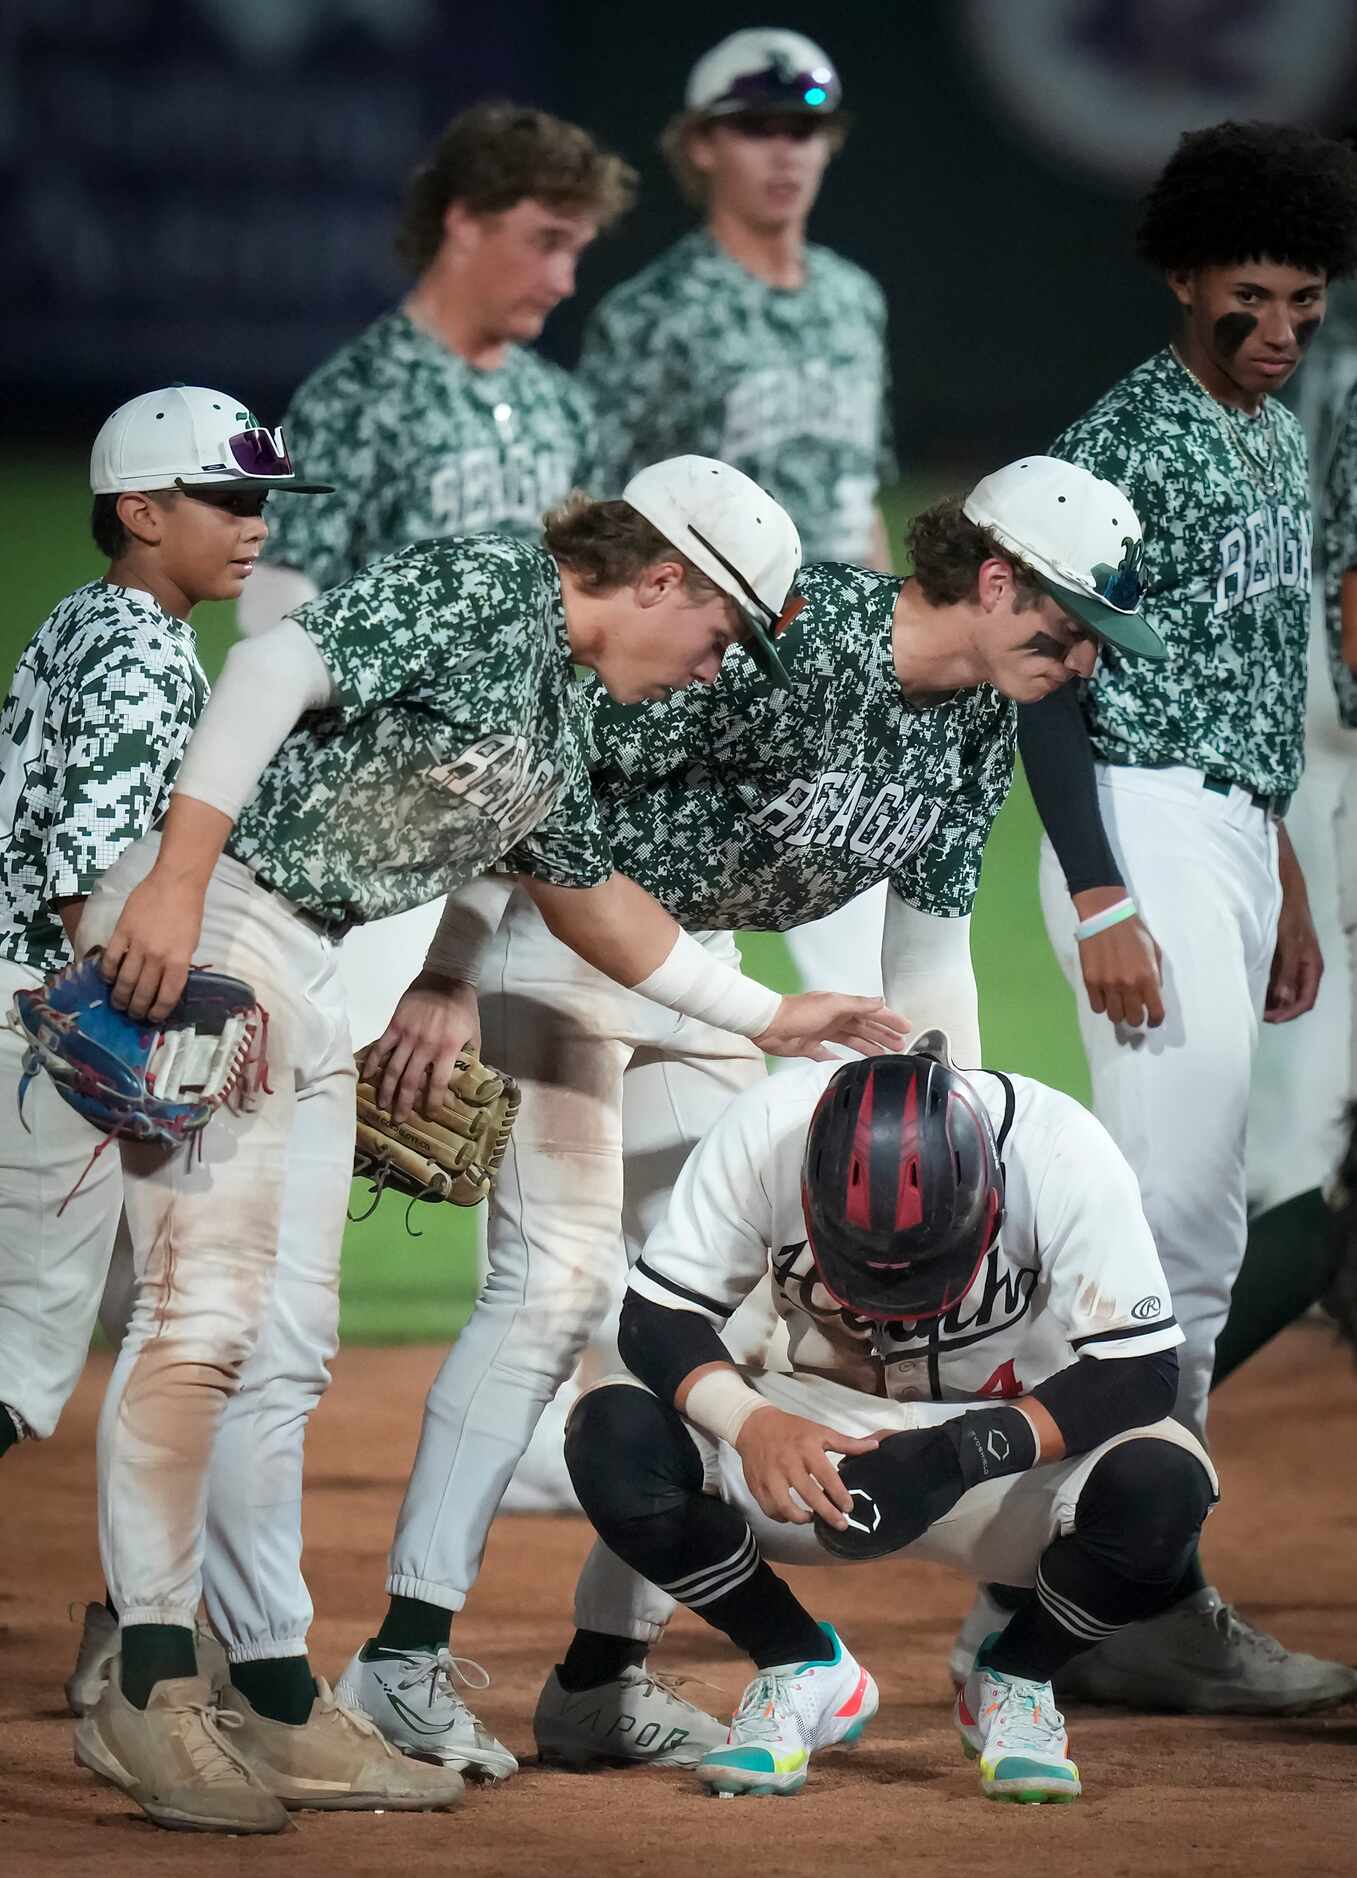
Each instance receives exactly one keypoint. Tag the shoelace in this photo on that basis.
(757, 1719)
(1027, 1718)
(668, 1687)
(442, 1675)
(1242, 1634)
(203, 1733)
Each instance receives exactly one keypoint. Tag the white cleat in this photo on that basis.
(99, 1647)
(411, 1696)
(636, 1719)
(785, 1714)
(1016, 1732)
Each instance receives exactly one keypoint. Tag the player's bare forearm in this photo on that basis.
(1347, 600)
(618, 928)
(151, 948)
(1297, 962)
(1122, 965)
(69, 913)
(1050, 1441)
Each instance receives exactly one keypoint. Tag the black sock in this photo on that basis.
(1011, 1597)
(765, 1618)
(9, 1430)
(1192, 1581)
(1127, 1558)
(153, 1653)
(280, 1688)
(594, 1658)
(410, 1624)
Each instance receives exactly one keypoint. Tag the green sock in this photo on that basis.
(280, 1688)
(1288, 1265)
(153, 1653)
(410, 1624)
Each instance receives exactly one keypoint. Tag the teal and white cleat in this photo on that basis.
(1016, 1732)
(785, 1714)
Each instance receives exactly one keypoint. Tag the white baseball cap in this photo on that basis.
(764, 68)
(187, 437)
(1080, 537)
(734, 532)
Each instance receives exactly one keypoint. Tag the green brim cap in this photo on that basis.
(1128, 632)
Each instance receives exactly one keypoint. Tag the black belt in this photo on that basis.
(1270, 805)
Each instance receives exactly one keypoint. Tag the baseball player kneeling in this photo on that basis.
(983, 1351)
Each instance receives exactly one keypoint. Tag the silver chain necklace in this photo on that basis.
(1260, 470)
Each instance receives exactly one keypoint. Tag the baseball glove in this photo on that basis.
(448, 1150)
(158, 1082)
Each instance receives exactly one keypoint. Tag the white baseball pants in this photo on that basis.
(236, 1247)
(1203, 870)
(52, 1270)
(995, 1534)
(616, 1091)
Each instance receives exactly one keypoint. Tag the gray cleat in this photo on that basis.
(1202, 1658)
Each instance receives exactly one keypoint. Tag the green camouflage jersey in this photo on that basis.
(419, 444)
(697, 354)
(740, 806)
(1338, 536)
(1224, 501)
(97, 717)
(455, 739)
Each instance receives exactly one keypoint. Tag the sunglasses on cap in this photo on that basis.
(259, 454)
(1122, 586)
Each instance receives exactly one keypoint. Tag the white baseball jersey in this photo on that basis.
(1074, 1271)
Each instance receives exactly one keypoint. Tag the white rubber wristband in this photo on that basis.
(692, 981)
(720, 1404)
(1110, 916)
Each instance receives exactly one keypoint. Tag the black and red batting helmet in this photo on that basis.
(901, 1184)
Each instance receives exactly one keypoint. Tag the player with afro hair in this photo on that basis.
(1171, 891)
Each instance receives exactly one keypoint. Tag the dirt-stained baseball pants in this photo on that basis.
(235, 1317)
(616, 1091)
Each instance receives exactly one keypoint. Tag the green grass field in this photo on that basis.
(399, 1288)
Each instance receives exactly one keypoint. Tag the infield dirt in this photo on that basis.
(1162, 1794)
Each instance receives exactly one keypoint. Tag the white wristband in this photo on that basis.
(720, 1403)
(1110, 916)
(692, 981)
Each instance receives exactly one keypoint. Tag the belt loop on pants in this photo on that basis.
(1275, 806)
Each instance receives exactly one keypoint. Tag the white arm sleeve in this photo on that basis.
(266, 684)
(469, 921)
(928, 976)
(272, 591)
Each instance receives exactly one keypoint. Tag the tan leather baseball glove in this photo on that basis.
(451, 1149)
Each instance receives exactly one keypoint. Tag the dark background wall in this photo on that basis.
(205, 189)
